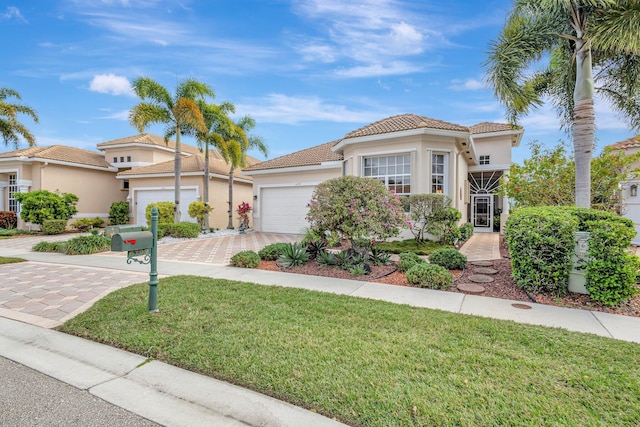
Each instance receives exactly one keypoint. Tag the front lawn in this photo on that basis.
(374, 363)
(10, 260)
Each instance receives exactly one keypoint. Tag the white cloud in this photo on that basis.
(12, 12)
(111, 84)
(468, 84)
(280, 108)
(118, 115)
(318, 52)
(377, 70)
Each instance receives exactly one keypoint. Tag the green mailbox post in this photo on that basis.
(141, 247)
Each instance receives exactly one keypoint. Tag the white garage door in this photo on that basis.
(284, 209)
(146, 196)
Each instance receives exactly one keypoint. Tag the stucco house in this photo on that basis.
(629, 198)
(411, 154)
(137, 169)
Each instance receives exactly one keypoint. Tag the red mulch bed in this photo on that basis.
(503, 285)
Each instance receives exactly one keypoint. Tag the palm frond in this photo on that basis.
(147, 88)
(616, 28)
(186, 112)
(144, 114)
(194, 90)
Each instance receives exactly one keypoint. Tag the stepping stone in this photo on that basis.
(471, 288)
(482, 263)
(480, 278)
(485, 270)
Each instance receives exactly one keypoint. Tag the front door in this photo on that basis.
(482, 217)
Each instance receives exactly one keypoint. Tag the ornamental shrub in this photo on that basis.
(293, 255)
(181, 230)
(466, 231)
(429, 276)
(272, 252)
(38, 206)
(43, 246)
(54, 226)
(427, 213)
(84, 224)
(166, 212)
(611, 272)
(8, 220)
(84, 245)
(408, 260)
(245, 259)
(448, 258)
(356, 207)
(119, 213)
(199, 211)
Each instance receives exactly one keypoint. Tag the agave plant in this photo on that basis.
(293, 255)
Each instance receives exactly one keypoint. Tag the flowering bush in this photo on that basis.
(356, 208)
(243, 211)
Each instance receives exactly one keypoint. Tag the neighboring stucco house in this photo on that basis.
(411, 154)
(138, 169)
(629, 197)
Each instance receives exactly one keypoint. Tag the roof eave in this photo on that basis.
(290, 169)
(412, 132)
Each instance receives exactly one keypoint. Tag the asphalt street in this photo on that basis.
(30, 398)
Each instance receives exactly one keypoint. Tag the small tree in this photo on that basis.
(119, 213)
(547, 178)
(199, 211)
(41, 205)
(356, 208)
(426, 211)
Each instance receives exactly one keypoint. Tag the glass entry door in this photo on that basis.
(482, 212)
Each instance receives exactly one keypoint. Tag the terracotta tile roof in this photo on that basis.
(404, 122)
(633, 142)
(488, 127)
(307, 157)
(148, 139)
(61, 153)
(189, 164)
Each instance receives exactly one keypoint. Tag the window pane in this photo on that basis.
(393, 171)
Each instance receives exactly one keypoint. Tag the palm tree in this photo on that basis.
(179, 112)
(233, 144)
(216, 119)
(576, 37)
(10, 127)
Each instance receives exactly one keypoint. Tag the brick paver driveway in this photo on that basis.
(47, 294)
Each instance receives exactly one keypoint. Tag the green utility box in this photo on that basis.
(110, 230)
(131, 241)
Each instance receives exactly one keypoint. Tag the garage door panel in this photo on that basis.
(284, 209)
(144, 197)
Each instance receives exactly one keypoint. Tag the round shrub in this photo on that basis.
(119, 213)
(272, 252)
(429, 276)
(166, 212)
(408, 260)
(245, 259)
(54, 226)
(448, 258)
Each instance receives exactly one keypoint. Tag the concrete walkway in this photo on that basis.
(51, 288)
(482, 247)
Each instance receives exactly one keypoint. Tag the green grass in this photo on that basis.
(5, 233)
(10, 260)
(374, 363)
(410, 245)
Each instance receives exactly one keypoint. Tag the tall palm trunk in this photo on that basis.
(178, 172)
(230, 225)
(205, 185)
(583, 123)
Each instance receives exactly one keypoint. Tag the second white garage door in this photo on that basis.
(146, 196)
(284, 209)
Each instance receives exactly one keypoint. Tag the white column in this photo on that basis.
(3, 195)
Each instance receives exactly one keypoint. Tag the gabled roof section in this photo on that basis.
(192, 164)
(60, 153)
(307, 157)
(147, 139)
(488, 127)
(633, 142)
(404, 122)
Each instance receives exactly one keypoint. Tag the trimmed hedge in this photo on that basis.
(189, 230)
(429, 276)
(272, 252)
(448, 258)
(245, 259)
(541, 243)
(166, 212)
(54, 226)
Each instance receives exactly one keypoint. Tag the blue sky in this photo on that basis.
(308, 71)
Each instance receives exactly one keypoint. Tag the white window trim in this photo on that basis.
(361, 158)
(447, 171)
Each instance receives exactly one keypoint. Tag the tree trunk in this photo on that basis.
(230, 225)
(205, 185)
(178, 172)
(583, 128)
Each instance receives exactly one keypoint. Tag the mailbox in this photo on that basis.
(110, 230)
(131, 241)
